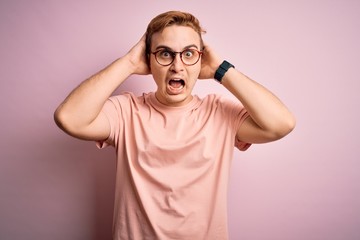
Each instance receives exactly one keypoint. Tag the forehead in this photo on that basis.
(176, 38)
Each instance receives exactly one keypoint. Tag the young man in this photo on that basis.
(173, 148)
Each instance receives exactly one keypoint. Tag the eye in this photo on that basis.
(165, 54)
(188, 53)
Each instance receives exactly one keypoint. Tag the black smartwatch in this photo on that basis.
(220, 72)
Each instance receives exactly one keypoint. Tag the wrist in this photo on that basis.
(129, 64)
(221, 70)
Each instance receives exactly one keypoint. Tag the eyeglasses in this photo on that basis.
(189, 56)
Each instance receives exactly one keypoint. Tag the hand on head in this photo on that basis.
(137, 57)
(209, 63)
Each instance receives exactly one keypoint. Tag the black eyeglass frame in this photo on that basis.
(174, 55)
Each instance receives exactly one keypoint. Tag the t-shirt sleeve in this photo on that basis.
(236, 114)
(112, 111)
(242, 115)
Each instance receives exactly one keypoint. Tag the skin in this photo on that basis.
(176, 38)
(80, 113)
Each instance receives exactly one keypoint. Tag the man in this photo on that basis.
(173, 148)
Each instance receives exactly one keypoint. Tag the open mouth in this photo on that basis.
(176, 85)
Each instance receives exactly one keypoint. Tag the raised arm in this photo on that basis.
(80, 113)
(269, 118)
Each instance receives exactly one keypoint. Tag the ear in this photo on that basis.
(148, 60)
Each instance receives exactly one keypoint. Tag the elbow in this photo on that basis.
(71, 124)
(62, 120)
(292, 123)
(286, 126)
(59, 118)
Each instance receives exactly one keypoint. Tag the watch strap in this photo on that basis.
(223, 68)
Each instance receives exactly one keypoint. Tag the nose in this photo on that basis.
(177, 65)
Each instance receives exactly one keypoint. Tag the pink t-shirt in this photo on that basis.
(172, 166)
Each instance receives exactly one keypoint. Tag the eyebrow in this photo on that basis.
(168, 48)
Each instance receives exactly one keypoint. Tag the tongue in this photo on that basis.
(175, 84)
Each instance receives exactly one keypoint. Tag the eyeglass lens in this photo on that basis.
(188, 56)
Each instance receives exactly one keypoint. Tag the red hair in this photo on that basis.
(170, 18)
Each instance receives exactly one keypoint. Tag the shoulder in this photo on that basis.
(221, 101)
(124, 96)
(129, 98)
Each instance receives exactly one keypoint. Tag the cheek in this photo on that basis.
(195, 71)
(157, 73)
(153, 68)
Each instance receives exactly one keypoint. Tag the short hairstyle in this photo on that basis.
(170, 18)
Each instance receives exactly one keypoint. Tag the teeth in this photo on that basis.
(176, 83)
(178, 80)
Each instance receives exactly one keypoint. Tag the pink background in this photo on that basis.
(305, 186)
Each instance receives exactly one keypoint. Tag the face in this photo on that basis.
(176, 81)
